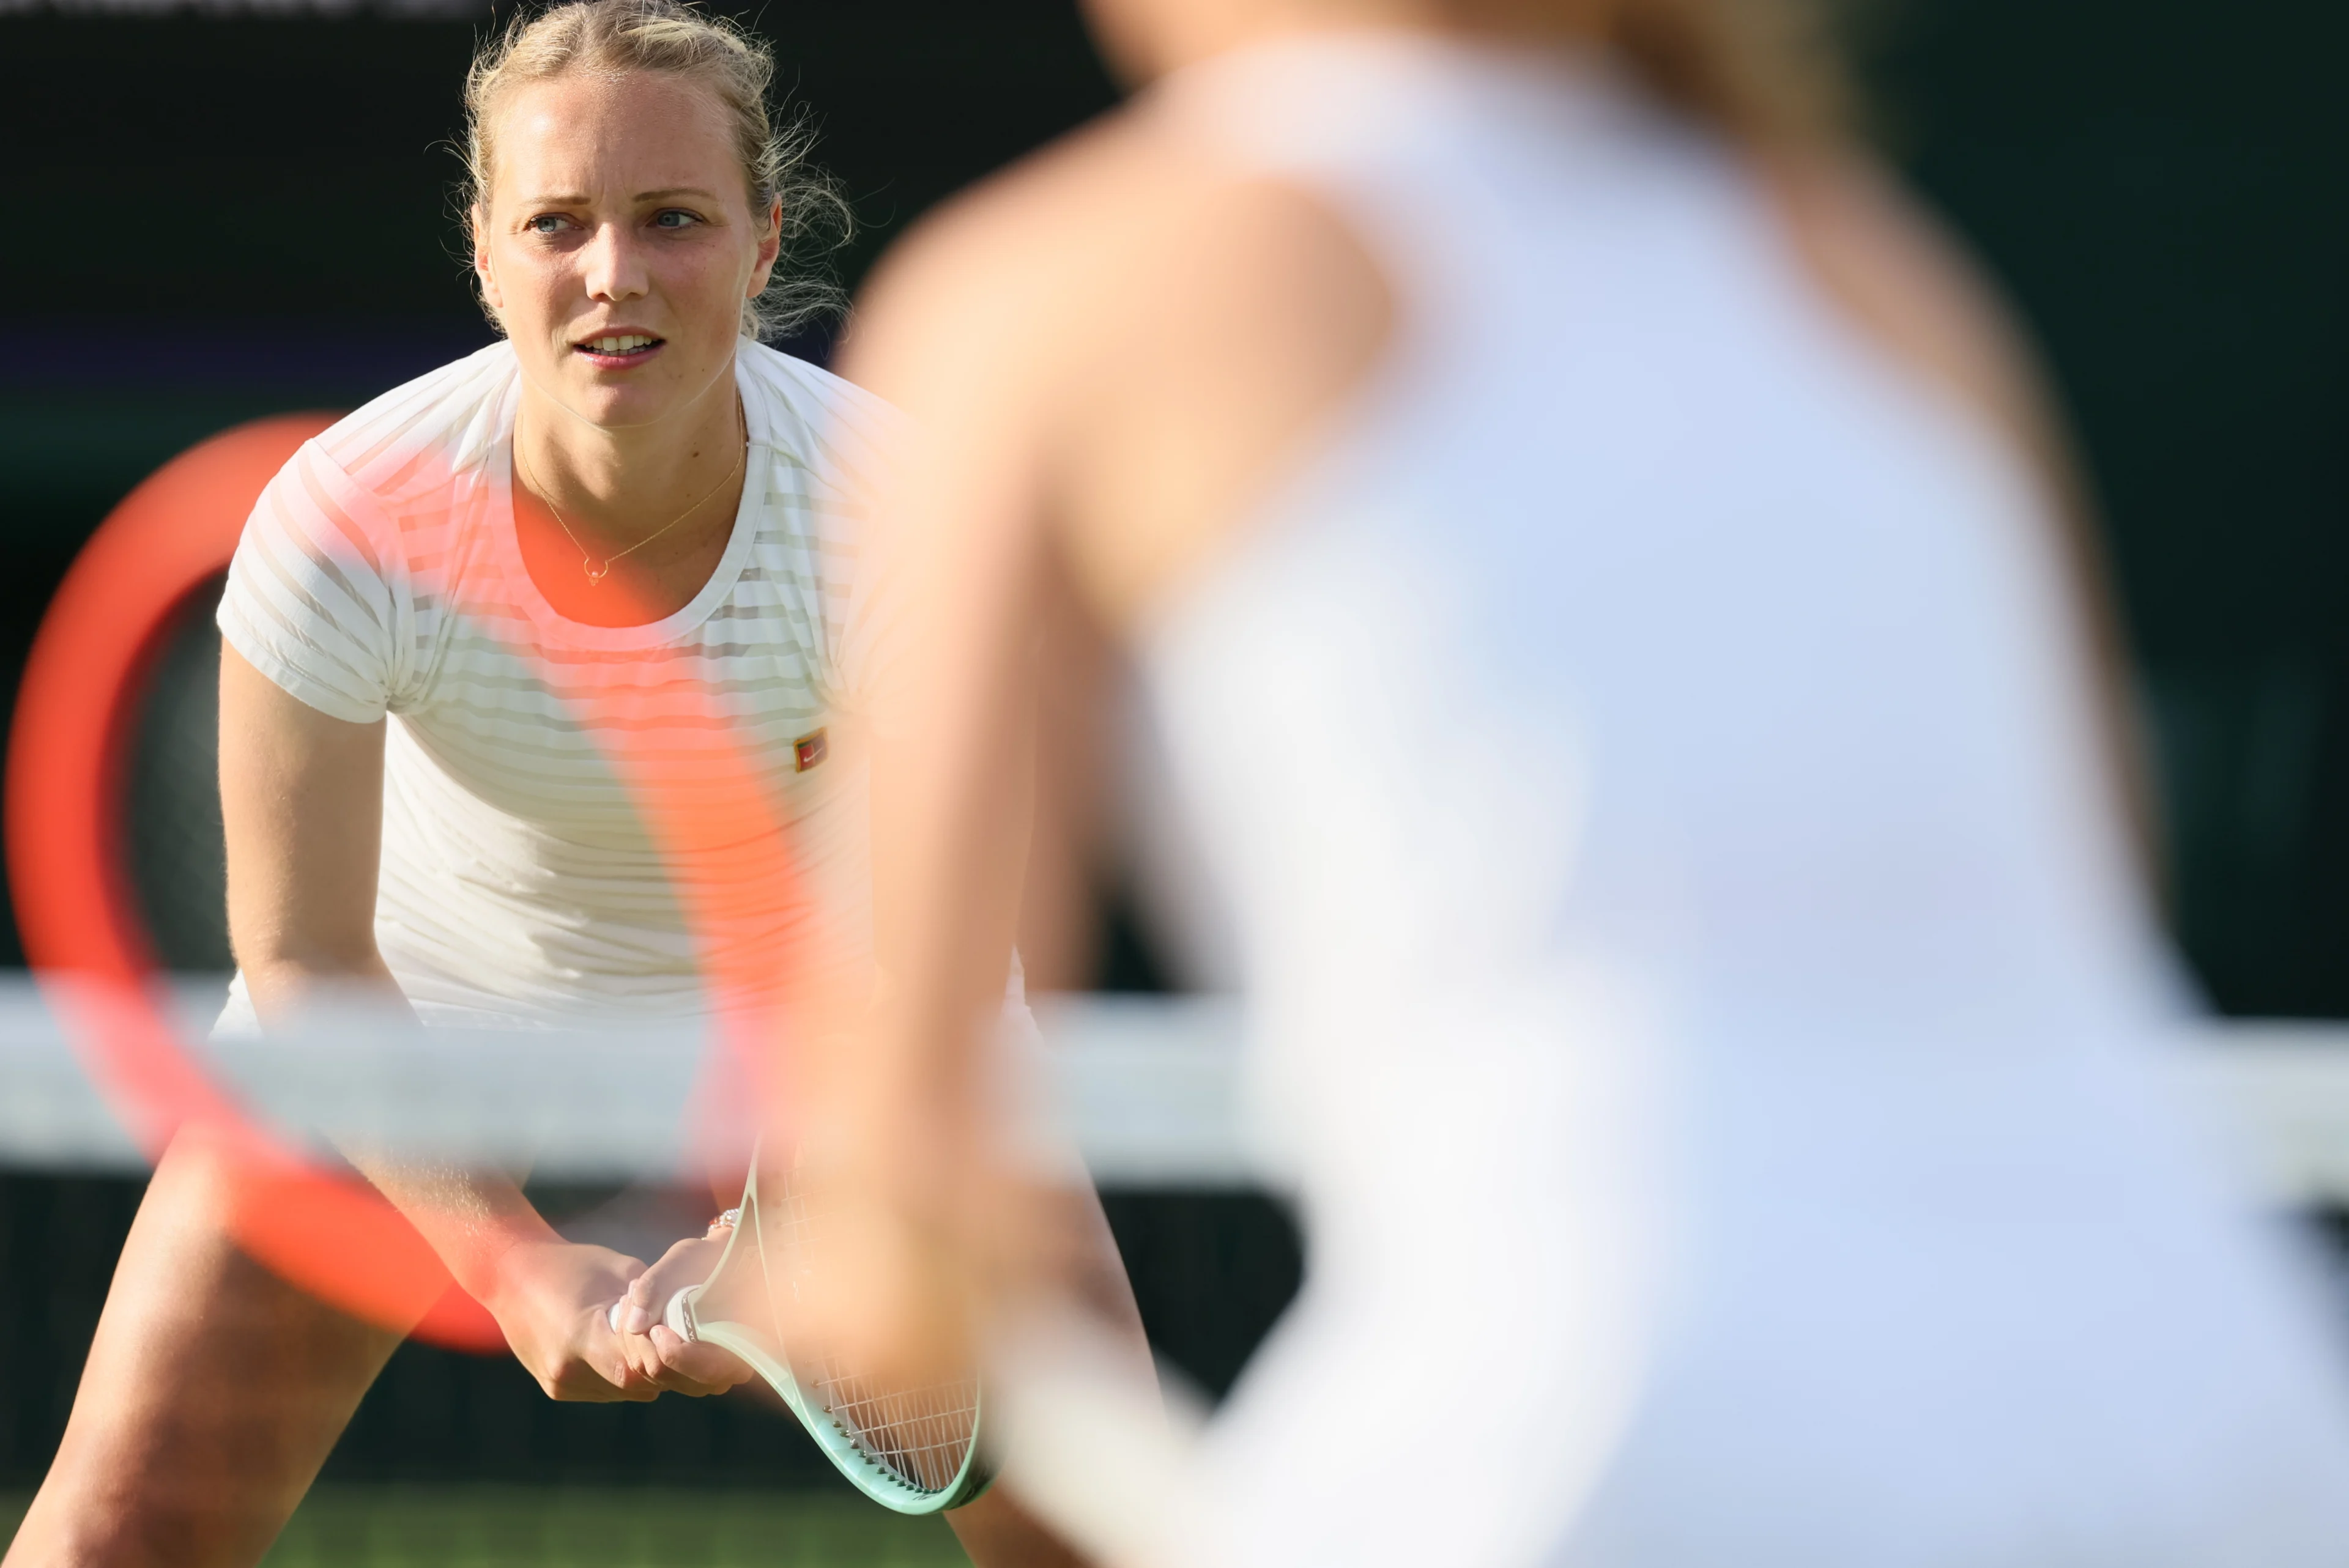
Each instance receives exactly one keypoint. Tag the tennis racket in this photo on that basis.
(916, 1451)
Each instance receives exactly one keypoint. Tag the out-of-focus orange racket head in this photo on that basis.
(76, 713)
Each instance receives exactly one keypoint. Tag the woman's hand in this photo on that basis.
(552, 1299)
(657, 1351)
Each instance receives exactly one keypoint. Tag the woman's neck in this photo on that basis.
(626, 483)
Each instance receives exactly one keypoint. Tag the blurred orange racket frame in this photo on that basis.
(323, 1230)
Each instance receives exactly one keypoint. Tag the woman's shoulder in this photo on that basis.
(378, 492)
(417, 440)
(354, 538)
(825, 424)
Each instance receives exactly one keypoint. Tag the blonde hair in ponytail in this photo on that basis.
(1763, 72)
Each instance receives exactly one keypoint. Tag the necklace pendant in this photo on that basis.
(595, 575)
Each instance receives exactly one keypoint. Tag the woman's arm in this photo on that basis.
(302, 804)
(1104, 357)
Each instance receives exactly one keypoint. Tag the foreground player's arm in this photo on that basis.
(302, 804)
(1107, 356)
(1098, 403)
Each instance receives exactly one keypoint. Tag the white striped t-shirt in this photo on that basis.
(380, 575)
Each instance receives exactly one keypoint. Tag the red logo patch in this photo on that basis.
(811, 750)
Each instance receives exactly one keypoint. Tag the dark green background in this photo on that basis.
(2160, 186)
(214, 219)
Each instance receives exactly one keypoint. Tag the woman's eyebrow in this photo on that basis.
(575, 199)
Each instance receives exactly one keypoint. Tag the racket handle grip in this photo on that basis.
(679, 1314)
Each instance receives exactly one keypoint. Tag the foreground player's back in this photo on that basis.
(1647, 749)
(1613, 665)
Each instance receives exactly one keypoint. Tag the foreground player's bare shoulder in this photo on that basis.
(1245, 314)
(967, 327)
(1162, 330)
(980, 292)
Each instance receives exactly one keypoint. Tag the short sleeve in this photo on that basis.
(839, 447)
(312, 599)
(861, 448)
(860, 620)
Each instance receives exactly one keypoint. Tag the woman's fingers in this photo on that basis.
(667, 1362)
(687, 1263)
(585, 1382)
(599, 1366)
(552, 1301)
(639, 1311)
(653, 1358)
(707, 1369)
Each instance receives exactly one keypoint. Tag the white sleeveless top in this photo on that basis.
(379, 576)
(1644, 759)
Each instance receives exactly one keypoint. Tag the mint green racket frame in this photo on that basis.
(870, 1475)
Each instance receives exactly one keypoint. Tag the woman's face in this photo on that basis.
(618, 243)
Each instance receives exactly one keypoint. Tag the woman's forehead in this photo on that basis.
(613, 134)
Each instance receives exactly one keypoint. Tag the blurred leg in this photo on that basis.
(995, 1530)
(999, 1533)
(212, 1393)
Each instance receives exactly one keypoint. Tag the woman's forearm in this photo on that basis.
(471, 1216)
(284, 983)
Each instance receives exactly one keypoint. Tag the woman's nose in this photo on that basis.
(613, 263)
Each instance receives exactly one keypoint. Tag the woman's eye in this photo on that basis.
(673, 219)
(545, 224)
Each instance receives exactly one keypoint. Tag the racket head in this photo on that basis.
(915, 1451)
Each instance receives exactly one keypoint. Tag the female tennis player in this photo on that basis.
(1590, 559)
(627, 498)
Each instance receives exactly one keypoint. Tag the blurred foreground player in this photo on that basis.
(1590, 557)
(629, 502)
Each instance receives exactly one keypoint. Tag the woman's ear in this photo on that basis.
(478, 218)
(770, 246)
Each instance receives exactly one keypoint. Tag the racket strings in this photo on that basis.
(922, 1436)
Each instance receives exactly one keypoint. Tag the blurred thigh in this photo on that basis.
(212, 1393)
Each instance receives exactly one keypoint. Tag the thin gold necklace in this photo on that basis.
(595, 575)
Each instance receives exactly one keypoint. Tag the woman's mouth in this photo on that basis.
(619, 350)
